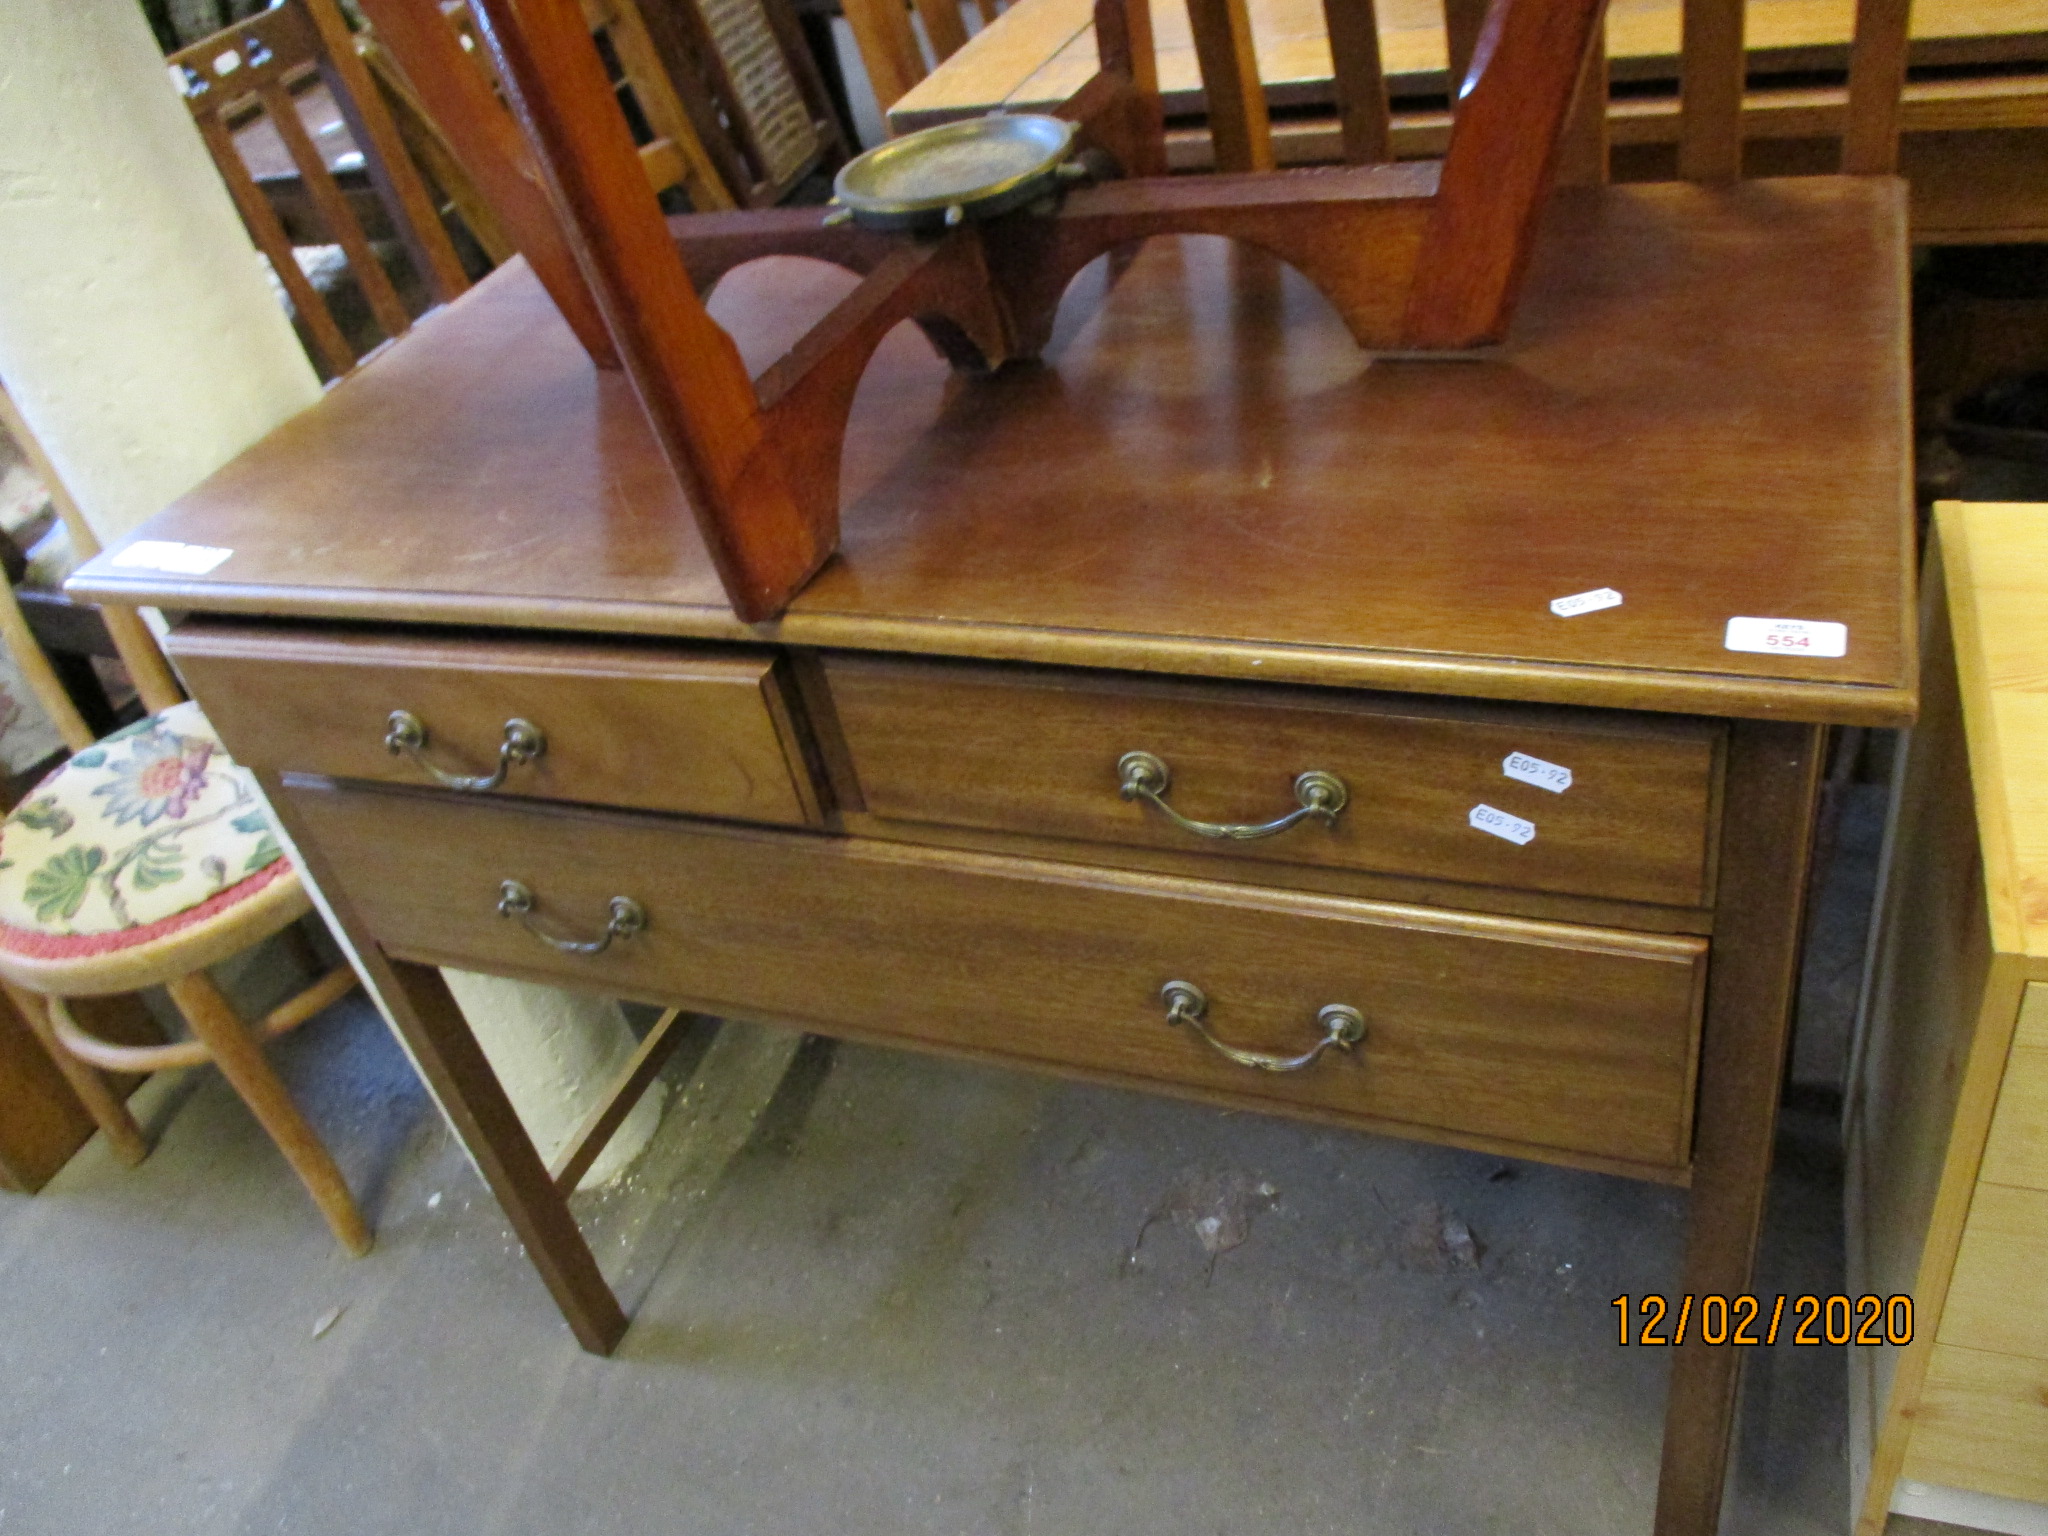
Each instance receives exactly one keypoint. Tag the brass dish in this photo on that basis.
(937, 177)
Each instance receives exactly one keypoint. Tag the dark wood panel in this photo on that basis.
(1035, 751)
(1533, 1034)
(706, 731)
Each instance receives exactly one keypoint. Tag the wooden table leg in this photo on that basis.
(456, 1068)
(469, 1090)
(1771, 792)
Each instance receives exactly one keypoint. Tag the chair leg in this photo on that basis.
(242, 1062)
(100, 1101)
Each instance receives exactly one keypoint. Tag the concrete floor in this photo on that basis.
(910, 1297)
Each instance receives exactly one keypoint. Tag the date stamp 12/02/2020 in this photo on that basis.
(1712, 1319)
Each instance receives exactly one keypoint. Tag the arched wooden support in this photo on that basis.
(970, 338)
(1358, 243)
(807, 395)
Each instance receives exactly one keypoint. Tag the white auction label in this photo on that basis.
(1788, 637)
(1554, 777)
(162, 555)
(1585, 602)
(1501, 824)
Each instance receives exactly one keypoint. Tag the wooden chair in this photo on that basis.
(675, 152)
(1714, 105)
(250, 70)
(888, 45)
(745, 73)
(140, 862)
(1865, 113)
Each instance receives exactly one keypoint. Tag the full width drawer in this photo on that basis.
(1623, 807)
(1525, 1036)
(701, 730)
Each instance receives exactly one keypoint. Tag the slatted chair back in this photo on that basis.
(744, 73)
(436, 46)
(1713, 88)
(1235, 97)
(677, 154)
(890, 50)
(252, 68)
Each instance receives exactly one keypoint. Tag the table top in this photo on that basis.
(1039, 52)
(1703, 405)
(1996, 566)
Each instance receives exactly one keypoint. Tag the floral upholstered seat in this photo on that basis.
(150, 831)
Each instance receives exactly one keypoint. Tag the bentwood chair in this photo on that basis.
(144, 859)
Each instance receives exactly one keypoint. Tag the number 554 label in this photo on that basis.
(1788, 637)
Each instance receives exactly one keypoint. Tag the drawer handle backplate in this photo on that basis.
(628, 917)
(1343, 1027)
(406, 732)
(1145, 777)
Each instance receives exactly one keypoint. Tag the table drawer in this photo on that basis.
(1039, 751)
(1530, 1037)
(701, 730)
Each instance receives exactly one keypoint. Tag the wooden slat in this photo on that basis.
(429, 148)
(681, 40)
(1942, 106)
(1582, 159)
(271, 239)
(652, 87)
(943, 27)
(1496, 172)
(335, 213)
(488, 143)
(37, 672)
(384, 158)
(1029, 56)
(1124, 44)
(1463, 21)
(1877, 75)
(634, 1079)
(1230, 81)
(888, 48)
(1359, 80)
(1710, 91)
(688, 373)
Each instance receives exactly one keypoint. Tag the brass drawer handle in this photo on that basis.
(406, 732)
(1343, 1027)
(627, 919)
(1145, 777)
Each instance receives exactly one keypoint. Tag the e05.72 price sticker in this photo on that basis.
(1488, 819)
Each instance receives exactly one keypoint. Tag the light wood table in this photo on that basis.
(1973, 143)
(1208, 530)
(1948, 1115)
